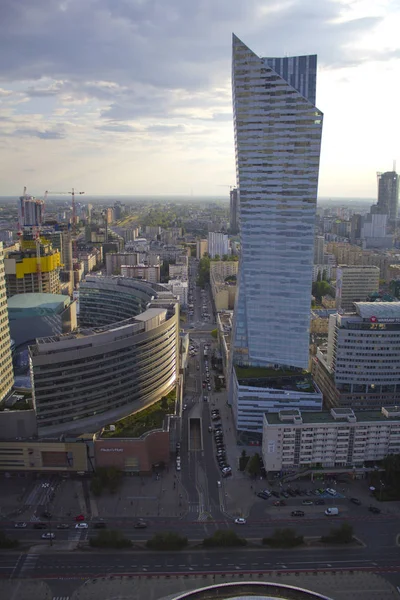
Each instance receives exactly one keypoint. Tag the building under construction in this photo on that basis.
(34, 268)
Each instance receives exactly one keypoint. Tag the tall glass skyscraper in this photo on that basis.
(277, 139)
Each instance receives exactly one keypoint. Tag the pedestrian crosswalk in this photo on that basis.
(204, 516)
(193, 507)
(28, 564)
(60, 597)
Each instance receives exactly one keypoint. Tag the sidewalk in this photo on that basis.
(154, 496)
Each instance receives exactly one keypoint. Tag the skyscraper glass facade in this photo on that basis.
(277, 142)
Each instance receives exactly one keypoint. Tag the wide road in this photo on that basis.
(102, 564)
(377, 531)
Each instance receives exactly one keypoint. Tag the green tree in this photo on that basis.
(339, 535)
(110, 539)
(214, 333)
(164, 403)
(283, 538)
(254, 465)
(224, 538)
(217, 257)
(168, 540)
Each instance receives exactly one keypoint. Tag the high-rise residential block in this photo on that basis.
(6, 368)
(234, 211)
(218, 244)
(354, 284)
(319, 250)
(277, 141)
(201, 248)
(388, 194)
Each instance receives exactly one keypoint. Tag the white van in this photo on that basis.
(332, 512)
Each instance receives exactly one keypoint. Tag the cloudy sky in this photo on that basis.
(134, 96)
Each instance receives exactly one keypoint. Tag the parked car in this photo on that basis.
(279, 503)
(355, 501)
(263, 496)
(375, 510)
(20, 525)
(285, 494)
(331, 491)
(297, 513)
(307, 502)
(276, 494)
(48, 536)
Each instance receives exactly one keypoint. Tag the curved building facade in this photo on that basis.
(249, 589)
(87, 379)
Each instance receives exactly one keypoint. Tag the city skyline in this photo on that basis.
(123, 113)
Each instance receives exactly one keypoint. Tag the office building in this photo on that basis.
(360, 366)
(124, 357)
(388, 194)
(354, 284)
(149, 273)
(234, 211)
(179, 288)
(218, 244)
(337, 438)
(201, 248)
(178, 271)
(34, 316)
(277, 141)
(115, 260)
(374, 231)
(319, 250)
(6, 368)
(223, 277)
(25, 272)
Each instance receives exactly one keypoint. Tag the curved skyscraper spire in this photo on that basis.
(277, 138)
(277, 142)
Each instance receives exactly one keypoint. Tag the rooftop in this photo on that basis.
(326, 416)
(282, 379)
(32, 301)
(380, 310)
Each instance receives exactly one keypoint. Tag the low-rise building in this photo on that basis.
(340, 437)
(255, 390)
(223, 284)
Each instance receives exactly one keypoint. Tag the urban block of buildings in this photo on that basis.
(341, 437)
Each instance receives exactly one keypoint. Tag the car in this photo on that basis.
(79, 518)
(178, 466)
(276, 494)
(320, 501)
(81, 526)
(292, 493)
(210, 429)
(279, 503)
(100, 525)
(46, 514)
(40, 525)
(308, 493)
(219, 484)
(331, 491)
(63, 526)
(297, 513)
(375, 510)
(355, 501)
(48, 536)
(262, 495)
(209, 388)
(205, 398)
(178, 445)
(140, 525)
(240, 521)
(20, 525)
(307, 502)
(285, 494)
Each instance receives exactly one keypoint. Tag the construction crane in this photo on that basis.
(72, 193)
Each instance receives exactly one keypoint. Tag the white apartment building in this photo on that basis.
(218, 244)
(180, 289)
(337, 438)
(6, 368)
(149, 273)
(178, 271)
(354, 283)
